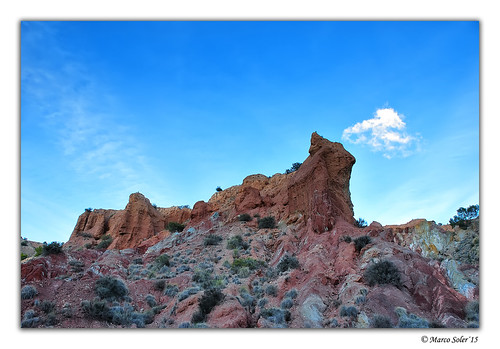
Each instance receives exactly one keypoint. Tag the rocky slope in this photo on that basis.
(231, 266)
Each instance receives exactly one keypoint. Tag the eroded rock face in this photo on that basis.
(138, 222)
(427, 238)
(91, 225)
(128, 228)
(318, 191)
(320, 188)
(457, 248)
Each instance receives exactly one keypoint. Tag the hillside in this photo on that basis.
(274, 252)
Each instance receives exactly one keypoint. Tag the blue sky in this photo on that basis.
(175, 109)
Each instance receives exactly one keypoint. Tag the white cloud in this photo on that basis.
(385, 132)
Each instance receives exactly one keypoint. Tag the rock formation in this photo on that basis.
(320, 188)
(128, 228)
(310, 270)
(318, 191)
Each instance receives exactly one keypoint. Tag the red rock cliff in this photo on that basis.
(318, 190)
(138, 222)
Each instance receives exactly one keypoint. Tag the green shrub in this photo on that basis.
(237, 242)
(182, 268)
(272, 290)
(360, 299)
(286, 303)
(236, 253)
(384, 272)
(29, 319)
(47, 306)
(212, 240)
(187, 292)
(262, 302)
(38, 251)
(247, 300)
(350, 312)
(287, 262)
(51, 319)
(472, 311)
(161, 261)
(151, 300)
(110, 288)
(293, 293)
(106, 240)
(97, 309)
(198, 317)
(76, 266)
(243, 272)
(52, 248)
(267, 223)
(85, 235)
(295, 167)
(244, 217)
(206, 280)
(361, 242)
(210, 299)
(159, 285)
(28, 292)
(465, 216)
(67, 311)
(360, 223)
(125, 315)
(408, 320)
(171, 290)
(175, 227)
(379, 321)
(23, 256)
(249, 263)
(277, 316)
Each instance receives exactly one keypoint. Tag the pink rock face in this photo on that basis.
(43, 267)
(248, 199)
(230, 314)
(320, 188)
(201, 210)
(34, 270)
(91, 225)
(129, 228)
(138, 222)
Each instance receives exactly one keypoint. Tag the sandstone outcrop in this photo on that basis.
(128, 228)
(318, 191)
(320, 188)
